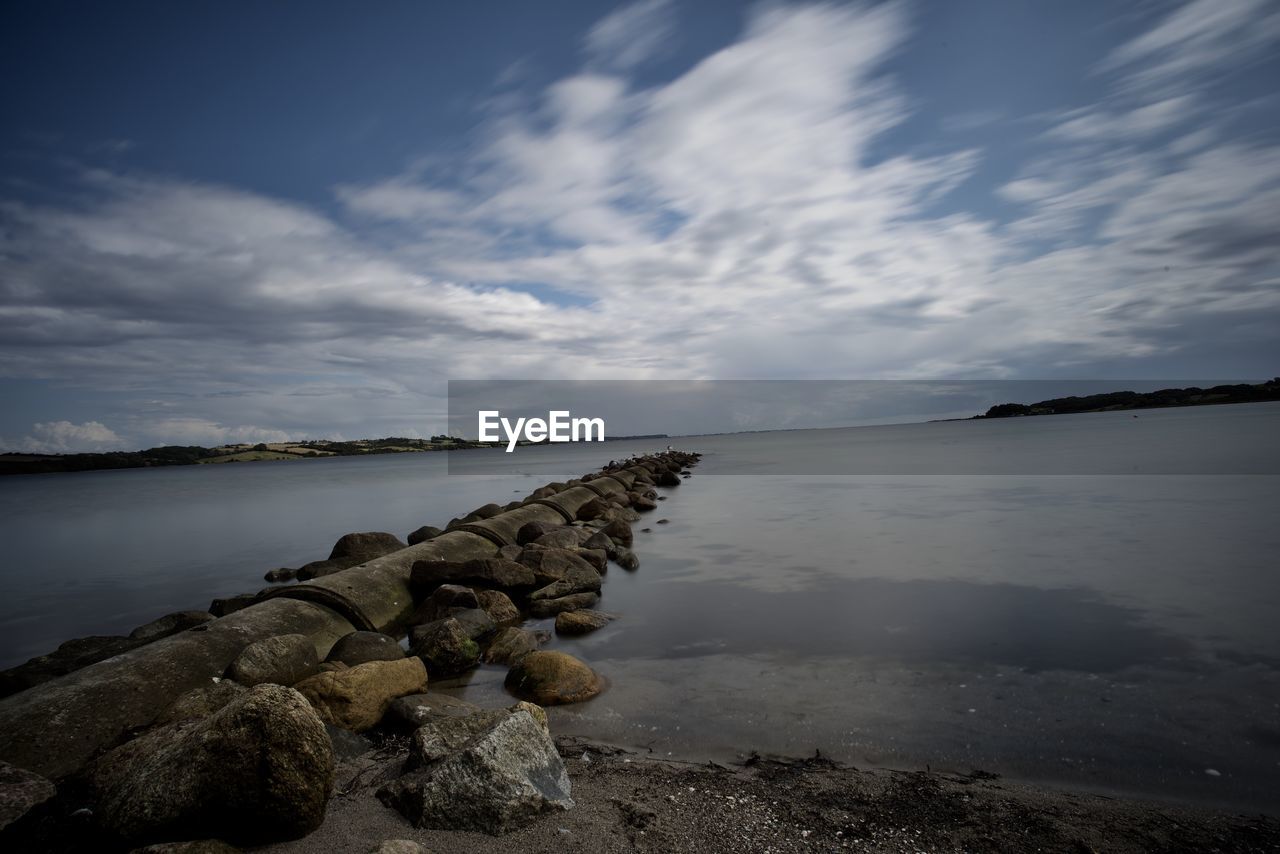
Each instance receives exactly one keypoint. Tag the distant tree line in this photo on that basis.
(1116, 400)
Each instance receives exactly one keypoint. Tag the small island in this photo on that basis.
(1117, 400)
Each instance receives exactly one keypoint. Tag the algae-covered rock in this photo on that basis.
(551, 678)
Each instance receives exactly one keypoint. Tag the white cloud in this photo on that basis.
(64, 437)
(631, 34)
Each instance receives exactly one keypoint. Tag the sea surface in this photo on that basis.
(1089, 600)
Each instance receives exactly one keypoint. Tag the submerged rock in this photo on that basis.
(363, 647)
(281, 660)
(551, 678)
(356, 698)
(581, 622)
(257, 771)
(493, 775)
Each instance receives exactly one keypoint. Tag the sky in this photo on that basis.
(225, 222)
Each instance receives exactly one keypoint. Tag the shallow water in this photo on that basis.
(1112, 631)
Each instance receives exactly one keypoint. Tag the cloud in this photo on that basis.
(64, 437)
(741, 219)
(631, 34)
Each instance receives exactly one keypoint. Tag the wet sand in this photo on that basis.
(630, 802)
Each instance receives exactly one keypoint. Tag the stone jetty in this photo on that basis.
(225, 726)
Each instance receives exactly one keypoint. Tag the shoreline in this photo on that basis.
(627, 801)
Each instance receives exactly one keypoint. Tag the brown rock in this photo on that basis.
(357, 698)
(498, 606)
(581, 622)
(552, 678)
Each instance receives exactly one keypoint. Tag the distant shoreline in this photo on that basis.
(1117, 401)
(182, 455)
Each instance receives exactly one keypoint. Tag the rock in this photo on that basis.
(598, 558)
(498, 780)
(552, 678)
(510, 644)
(510, 552)
(319, 569)
(193, 846)
(563, 537)
(257, 771)
(581, 622)
(426, 532)
(357, 698)
(427, 575)
(476, 622)
(627, 560)
(347, 745)
(593, 509)
(68, 657)
(551, 607)
(550, 565)
(668, 478)
(398, 846)
(21, 792)
(488, 511)
(363, 647)
(200, 703)
(620, 533)
(600, 541)
(354, 549)
(416, 709)
(643, 504)
(445, 646)
(498, 606)
(585, 580)
(170, 624)
(531, 531)
(231, 604)
(281, 660)
(664, 521)
(277, 576)
(443, 602)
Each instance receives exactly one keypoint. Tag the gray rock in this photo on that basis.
(417, 709)
(358, 548)
(498, 606)
(494, 572)
(581, 622)
(550, 565)
(601, 541)
(281, 575)
(259, 770)
(446, 647)
(619, 532)
(20, 793)
(563, 537)
(319, 569)
(281, 660)
(627, 559)
(362, 647)
(398, 846)
(347, 745)
(231, 604)
(531, 531)
(498, 780)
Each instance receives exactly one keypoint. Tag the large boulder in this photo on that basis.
(627, 560)
(257, 771)
(443, 602)
(281, 660)
(578, 578)
(363, 647)
(319, 569)
(596, 508)
(21, 792)
(356, 698)
(600, 541)
(354, 549)
(551, 678)
(223, 606)
(563, 537)
(494, 775)
(545, 608)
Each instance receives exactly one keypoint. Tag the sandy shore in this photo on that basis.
(629, 802)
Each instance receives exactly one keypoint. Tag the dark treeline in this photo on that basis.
(1241, 393)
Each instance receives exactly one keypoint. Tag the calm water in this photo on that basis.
(1115, 631)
